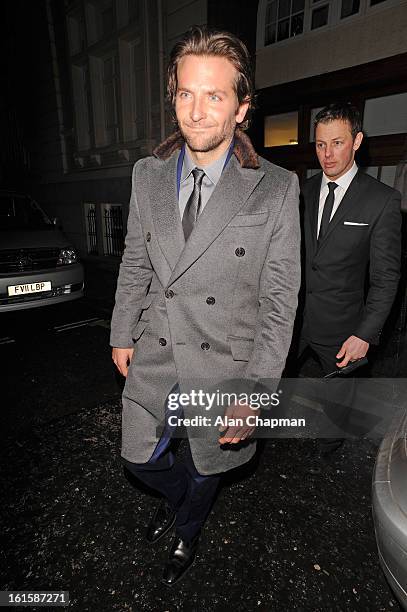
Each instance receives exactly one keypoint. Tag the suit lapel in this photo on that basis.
(313, 210)
(165, 209)
(230, 194)
(348, 202)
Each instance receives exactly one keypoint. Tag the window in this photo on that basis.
(319, 16)
(128, 11)
(138, 88)
(280, 130)
(92, 21)
(280, 20)
(110, 99)
(81, 99)
(76, 32)
(349, 7)
(107, 15)
(113, 235)
(385, 174)
(91, 233)
(386, 115)
(388, 175)
(100, 19)
(104, 229)
(132, 63)
(314, 113)
(134, 10)
(284, 19)
(104, 78)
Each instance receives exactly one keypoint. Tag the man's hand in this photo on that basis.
(236, 433)
(352, 349)
(122, 358)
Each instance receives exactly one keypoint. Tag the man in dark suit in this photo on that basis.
(352, 238)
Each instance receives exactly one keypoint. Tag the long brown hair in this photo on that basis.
(199, 40)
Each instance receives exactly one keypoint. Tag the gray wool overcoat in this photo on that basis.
(243, 254)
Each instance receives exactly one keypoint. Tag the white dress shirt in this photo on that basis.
(343, 183)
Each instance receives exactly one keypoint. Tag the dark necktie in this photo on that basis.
(326, 213)
(193, 207)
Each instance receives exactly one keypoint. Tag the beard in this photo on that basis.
(202, 143)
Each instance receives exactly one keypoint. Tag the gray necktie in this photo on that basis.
(193, 207)
(326, 213)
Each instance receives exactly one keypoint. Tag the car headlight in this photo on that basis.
(67, 256)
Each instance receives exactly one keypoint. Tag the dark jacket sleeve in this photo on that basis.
(384, 271)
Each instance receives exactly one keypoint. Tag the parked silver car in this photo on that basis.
(38, 265)
(390, 506)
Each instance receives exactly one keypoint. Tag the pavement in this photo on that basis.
(55, 361)
(278, 537)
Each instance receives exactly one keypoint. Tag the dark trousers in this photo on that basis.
(339, 393)
(189, 493)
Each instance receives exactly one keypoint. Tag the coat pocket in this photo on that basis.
(242, 220)
(241, 348)
(147, 301)
(139, 329)
(144, 317)
(145, 306)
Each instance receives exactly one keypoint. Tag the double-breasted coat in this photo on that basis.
(220, 306)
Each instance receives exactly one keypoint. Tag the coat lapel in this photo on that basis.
(230, 194)
(348, 203)
(165, 209)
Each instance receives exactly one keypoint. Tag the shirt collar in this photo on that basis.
(213, 171)
(344, 181)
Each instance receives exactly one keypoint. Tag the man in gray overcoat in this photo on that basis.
(208, 284)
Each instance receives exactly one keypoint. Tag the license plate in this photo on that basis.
(29, 288)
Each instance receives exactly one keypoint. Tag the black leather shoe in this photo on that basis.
(181, 557)
(162, 521)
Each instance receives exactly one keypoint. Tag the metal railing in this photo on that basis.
(91, 228)
(113, 231)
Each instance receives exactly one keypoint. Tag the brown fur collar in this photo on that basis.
(243, 149)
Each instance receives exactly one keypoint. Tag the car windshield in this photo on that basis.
(20, 212)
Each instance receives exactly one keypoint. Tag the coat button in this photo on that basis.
(148, 236)
(169, 294)
(210, 300)
(314, 268)
(240, 252)
(205, 346)
(162, 341)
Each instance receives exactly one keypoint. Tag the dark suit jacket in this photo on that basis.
(339, 302)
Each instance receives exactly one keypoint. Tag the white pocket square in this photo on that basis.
(354, 223)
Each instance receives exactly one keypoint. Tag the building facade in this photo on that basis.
(96, 70)
(86, 93)
(108, 74)
(310, 54)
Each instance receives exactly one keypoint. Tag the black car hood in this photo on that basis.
(40, 238)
